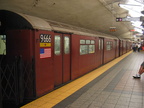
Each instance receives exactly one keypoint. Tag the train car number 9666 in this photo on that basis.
(45, 38)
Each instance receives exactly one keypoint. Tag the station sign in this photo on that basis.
(125, 19)
(112, 29)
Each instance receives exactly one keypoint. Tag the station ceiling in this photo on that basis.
(97, 15)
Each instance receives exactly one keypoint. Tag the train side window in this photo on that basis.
(57, 45)
(66, 45)
(108, 46)
(92, 42)
(82, 41)
(2, 44)
(88, 41)
(83, 49)
(91, 48)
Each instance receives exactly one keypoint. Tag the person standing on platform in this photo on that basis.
(141, 71)
(138, 47)
(134, 47)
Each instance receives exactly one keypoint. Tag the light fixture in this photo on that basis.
(134, 10)
(134, 7)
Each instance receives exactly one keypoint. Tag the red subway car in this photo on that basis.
(55, 53)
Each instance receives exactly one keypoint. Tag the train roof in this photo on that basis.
(62, 27)
(44, 24)
(37, 23)
(32, 22)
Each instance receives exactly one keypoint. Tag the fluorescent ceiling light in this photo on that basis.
(134, 10)
(134, 7)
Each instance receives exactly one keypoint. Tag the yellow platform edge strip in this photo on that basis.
(51, 99)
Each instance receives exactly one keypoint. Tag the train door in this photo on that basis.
(121, 47)
(116, 48)
(61, 58)
(124, 47)
(101, 50)
(43, 47)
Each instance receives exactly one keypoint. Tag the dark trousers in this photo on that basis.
(138, 49)
(134, 49)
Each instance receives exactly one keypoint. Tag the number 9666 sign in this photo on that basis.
(45, 40)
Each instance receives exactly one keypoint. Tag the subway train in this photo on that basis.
(42, 55)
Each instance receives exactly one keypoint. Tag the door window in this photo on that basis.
(57, 46)
(66, 45)
(100, 44)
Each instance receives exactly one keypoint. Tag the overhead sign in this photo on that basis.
(125, 19)
(112, 29)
